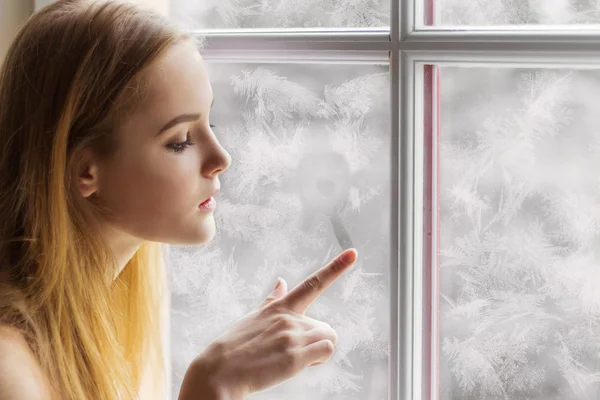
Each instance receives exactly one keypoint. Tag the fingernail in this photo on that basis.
(349, 256)
(278, 283)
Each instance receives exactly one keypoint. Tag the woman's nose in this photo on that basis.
(217, 162)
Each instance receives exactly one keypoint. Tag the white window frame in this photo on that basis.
(408, 46)
(559, 46)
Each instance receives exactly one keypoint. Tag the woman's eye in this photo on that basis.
(180, 147)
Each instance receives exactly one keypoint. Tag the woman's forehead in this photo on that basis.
(181, 63)
(176, 83)
(179, 76)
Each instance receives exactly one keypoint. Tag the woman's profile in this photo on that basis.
(106, 154)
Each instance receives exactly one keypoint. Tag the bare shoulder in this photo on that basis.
(20, 374)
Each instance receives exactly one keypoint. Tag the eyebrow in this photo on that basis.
(181, 119)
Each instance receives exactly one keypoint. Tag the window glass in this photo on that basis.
(310, 176)
(232, 14)
(516, 12)
(519, 223)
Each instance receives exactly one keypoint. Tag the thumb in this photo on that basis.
(279, 291)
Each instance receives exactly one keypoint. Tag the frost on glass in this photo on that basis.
(310, 176)
(231, 14)
(517, 12)
(519, 227)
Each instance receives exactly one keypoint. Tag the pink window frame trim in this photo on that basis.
(431, 213)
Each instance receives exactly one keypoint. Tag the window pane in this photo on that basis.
(519, 228)
(232, 14)
(515, 12)
(310, 176)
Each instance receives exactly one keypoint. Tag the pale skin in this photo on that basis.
(153, 193)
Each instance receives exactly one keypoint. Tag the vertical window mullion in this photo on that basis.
(397, 379)
(418, 183)
(428, 207)
(405, 206)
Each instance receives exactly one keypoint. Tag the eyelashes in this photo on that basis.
(180, 147)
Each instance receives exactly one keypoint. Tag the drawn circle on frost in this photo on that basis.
(324, 180)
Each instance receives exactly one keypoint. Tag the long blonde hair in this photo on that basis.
(74, 71)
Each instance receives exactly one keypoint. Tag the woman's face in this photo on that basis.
(154, 182)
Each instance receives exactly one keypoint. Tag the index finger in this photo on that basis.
(307, 292)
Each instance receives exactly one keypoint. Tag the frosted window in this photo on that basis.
(230, 14)
(521, 12)
(519, 197)
(310, 146)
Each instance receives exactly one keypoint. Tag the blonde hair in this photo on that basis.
(74, 71)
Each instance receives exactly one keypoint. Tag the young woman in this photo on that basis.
(106, 152)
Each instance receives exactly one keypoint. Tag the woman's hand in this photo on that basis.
(275, 341)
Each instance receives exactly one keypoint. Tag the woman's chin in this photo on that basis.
(204, 233)
(196, 236)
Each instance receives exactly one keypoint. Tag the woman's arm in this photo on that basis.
(198, 384)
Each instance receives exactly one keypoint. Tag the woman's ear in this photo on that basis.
(87, 175)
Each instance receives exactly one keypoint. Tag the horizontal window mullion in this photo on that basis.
(587, 32)
(249, 42)
(296, 56)
(508, 59)
(301, 35)
(474, 47)
(508, 39)
(296, 46)
(379, 42)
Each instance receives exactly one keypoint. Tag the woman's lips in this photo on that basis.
(208, 205)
